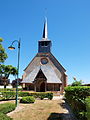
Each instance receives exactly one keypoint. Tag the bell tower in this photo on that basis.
(44, 45)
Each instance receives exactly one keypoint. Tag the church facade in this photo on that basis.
(44, 72)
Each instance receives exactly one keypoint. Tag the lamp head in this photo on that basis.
(11, 47)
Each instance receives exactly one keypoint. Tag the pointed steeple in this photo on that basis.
(44, 45)
(45, 31)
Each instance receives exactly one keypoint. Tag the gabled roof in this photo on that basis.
(56, 63)
(47, 70)
(52, 58)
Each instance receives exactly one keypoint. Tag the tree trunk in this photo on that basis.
(4, 86)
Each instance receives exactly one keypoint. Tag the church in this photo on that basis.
(44, 73)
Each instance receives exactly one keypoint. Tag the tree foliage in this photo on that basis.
(3, 54)
(76, 82)
(5, 71)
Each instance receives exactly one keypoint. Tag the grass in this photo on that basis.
(40, 110)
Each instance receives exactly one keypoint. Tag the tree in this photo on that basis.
(3, 54)
(5, 71)
(14, 82)
(76, 82)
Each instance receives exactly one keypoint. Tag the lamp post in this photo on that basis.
(11, 47)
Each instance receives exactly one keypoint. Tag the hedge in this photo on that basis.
(4, 109)
(42, 95)
(88, 108)
(6, 95)
(10, 89)
(23, 94)
(76, 96)
(6, 89)
(27, 99)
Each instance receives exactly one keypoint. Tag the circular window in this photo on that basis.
(44, 61)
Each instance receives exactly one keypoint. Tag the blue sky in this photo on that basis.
(68, 28)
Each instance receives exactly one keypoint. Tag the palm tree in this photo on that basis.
(5, 72)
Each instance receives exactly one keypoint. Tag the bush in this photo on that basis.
(50, 96)
(2, 98)
(78, 91)
(10, 89)
(27, 99)
(76, 98)
(4, 117)
(6, 89)
(88, 108)
(8, 95)
(42, 95)
(20, 89)
(23, 94)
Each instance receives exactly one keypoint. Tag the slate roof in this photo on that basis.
(47, 70)
(52, 58)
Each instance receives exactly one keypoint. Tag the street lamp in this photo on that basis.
(11, 47)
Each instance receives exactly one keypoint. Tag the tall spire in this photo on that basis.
(44, 45)
(45, 32)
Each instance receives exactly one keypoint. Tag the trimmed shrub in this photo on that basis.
(6, 89)
(10, 89)
(88, 108)
(8, 95)
(27, 99)
(23, 94)
(50, 96)
(2, 98)
(76, 96)
(20, 89)
(42, 95)
(78, 91)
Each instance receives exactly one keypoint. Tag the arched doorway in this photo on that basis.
(42, 87)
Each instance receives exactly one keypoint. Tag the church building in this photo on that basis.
(44, 72)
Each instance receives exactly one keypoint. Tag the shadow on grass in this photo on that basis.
(63, 116)
(55, 116)
(60, 116)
